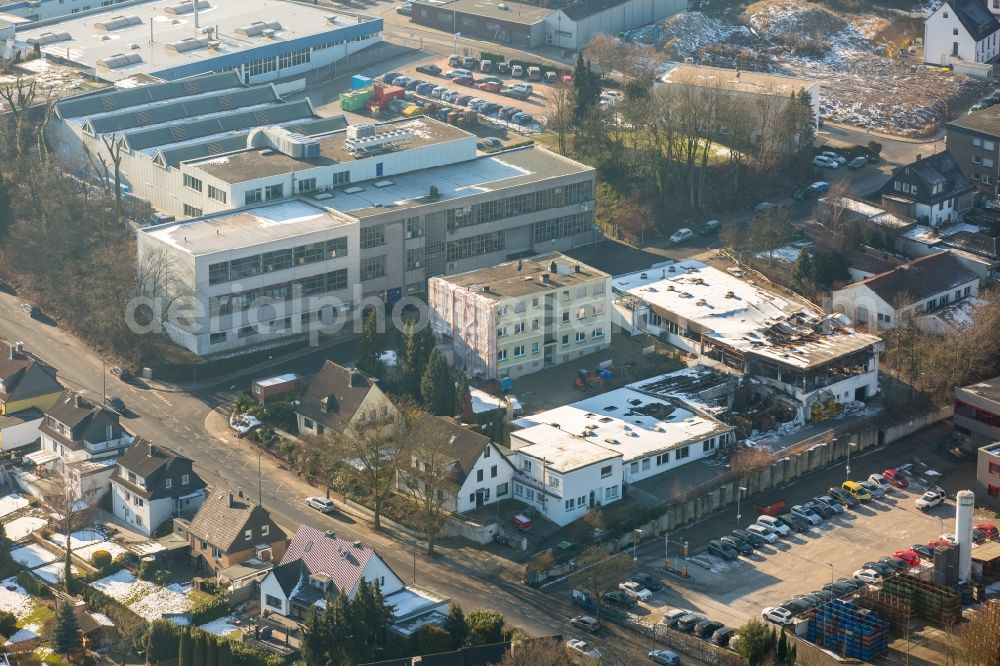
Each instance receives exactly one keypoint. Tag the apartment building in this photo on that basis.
(977, 411)
(521, 316)
(810, 362)
(973, 140)
(932, 190)
(988, 471)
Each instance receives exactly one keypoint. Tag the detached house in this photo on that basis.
(915, 289)
(317, 565)
(932, 190)
(479, 471)
(340, 396)
(229, 529)
(25, 381)
(961, 30)
(152, 484)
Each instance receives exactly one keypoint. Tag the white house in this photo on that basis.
(479, 471)
(20, 428)
(915, 289)
(318, 564)
(963, 30)
(152, 484)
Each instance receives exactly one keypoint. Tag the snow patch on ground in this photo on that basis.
(11, 503)
(15, 599)
(53, 573)
(22, 527)
(221, 627)
(88, 551)
(33, 556)
(689, 32)
(25, 633)
(80, 538)
(146, 599)
(788, 254)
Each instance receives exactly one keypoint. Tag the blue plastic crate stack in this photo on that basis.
(848, 630)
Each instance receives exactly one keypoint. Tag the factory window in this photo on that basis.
(598, 333)
(192, 183)
(565, 340)
(372, 267)
(245, 267)
(373, 236)
(253, 196)
(262, 66)
(341, 177)
(683, 452)
(663, 459)
(336, 247)
(278, 260)
(535, 348)
(562, 227)
(305, 185)
(414, 258)
(476, 245)
(274, 191)
(309, 254)
(581, 336)
(502, 355)
(216, 194)
(192, 211)
(606, 471)
(293, 59)
(246, 332)
(995, 469)
(581, 312)
(216, 338)
(413, 227)
(611, 492)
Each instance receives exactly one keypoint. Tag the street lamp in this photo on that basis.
(636, 533)
(739, 494)
(850, 445)
(830, 564)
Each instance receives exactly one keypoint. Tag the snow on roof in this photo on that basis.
(11, 503)
(561, 450)
(409, 600)
(483, 401)
(622, 421)
(280, 379)
(922, 234)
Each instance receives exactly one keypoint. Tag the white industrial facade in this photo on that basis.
(573, 26)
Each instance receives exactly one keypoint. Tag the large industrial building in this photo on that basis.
(171, 39)
(572, 26)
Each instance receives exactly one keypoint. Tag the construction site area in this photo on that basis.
(870, 64)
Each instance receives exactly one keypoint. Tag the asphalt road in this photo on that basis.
(178, 420)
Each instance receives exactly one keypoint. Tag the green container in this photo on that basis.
(355, 99)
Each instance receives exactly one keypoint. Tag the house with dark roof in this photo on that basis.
(913, 289)
(974, 141)
(932, 190)
(960, 30)
(152, 484)
(25, 381)
(478, 471)
(77, 429)
(339, 397)
(317, 565)
(230, 528)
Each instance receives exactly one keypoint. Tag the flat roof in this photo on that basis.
(253, 164)
(515, 12)
(989, 389)
(738, 80)
(232, 230)
(688, 385)
(172, 22)
(526, 276)
(742, 315)
(922, 234)
(280, 379)
(562, 451)
(624, 421)
(483, 401)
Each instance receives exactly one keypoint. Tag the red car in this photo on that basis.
(908, 556)
(989, 530)
(464, 81)
(895, 478)
(939, 543)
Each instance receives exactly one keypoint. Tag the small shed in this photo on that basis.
(265, 389)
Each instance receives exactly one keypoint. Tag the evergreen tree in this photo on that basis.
(161, 642)
(5, 546)
(486, 627)
(66, 637)
(804, 270)
(456, 625)
(371, 345)
(200, 647)
(225, 654)
(211, 651)
(185, 652)
(462, 396)
(586, 92)
(417, 346)
(314, 641)
(68, 571)
(782, 652)
(6, 212)
(437, 387)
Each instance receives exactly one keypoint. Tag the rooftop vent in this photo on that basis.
(50, 38)
(293, 144)
(730, 294)
(185, 7)
(354, 190)
(118, 23)
(701, 301)
(188, 44)
(258, 28)
(372, 143)
(383, 183)
(119, 60)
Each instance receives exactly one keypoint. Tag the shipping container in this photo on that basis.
(356, 99)
(385, 94)
(358, 81)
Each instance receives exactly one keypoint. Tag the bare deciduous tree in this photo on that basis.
(600, 573)
(544, 651)
(429, 479)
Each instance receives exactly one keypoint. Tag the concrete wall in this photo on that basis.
(21, 434)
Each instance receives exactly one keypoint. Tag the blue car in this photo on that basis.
(489, 108)
(425, 88)
(389, 77)
(412, 85)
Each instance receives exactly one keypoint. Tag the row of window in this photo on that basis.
(311, 286)
(536, 303)
(561, 227)
(474, 246)
(976, 414)
(519, 204)
(273, 326)
(985, 144)
(679, 454)
(984, 178)
(985, 161)
(293, 58)
(373, 236)
(266, 193)
(277, 260)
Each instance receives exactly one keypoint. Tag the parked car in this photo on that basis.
(880, 567)
(857, 163)
(754, 540)
(651, 583)
(517, 71)
(908, 556)
(425, 88)
(491, 142)
(824, 162)
(582, 649)
(681, 235)
(764, 532)
(489, 86)
(401, 81)
(456, 73)
(688, 622)
(895, 563)
(806, 513)
(438, 91)
(988, 529)
(486, 66)
(31, 309)
(635, 590)
(723, 635)
(923, 551)
(856, 490)
(775, 524)
(836, 157)
(873, 488)
(671, 617)
(930, 499)
(470, 62)
(868, 576)
(719, 549)
(121, 373)
(116, 404)
(321, 504)
(843, 497)
(619, 598)
(777, 615)
(664, 657)
(794, 522)
(585, 622)
(489, 108)
(433, 70)
(710, 227)
(801, 194)
(822, 510)
(405, 10)
(825, 595)
(838, 588)
(827, 501)
(706, 628)
(414, 84)
(881, 481)
(852, 583)
(464, 81)
(503, 68)
(463, 100)
(454, 60)
(819, 187)
(896, 478)
(741, 547)
(389, 77)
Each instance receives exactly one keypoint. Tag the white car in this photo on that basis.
(775, 524)
(832, 503)
(321, 504)
(825, 162)
(881, 481)
(839, 159)
(635, 590)
(681, 235)
(806, 513)
(764, 533)
(929, 499)
(582, 648)
(780, 615)
(868, 576)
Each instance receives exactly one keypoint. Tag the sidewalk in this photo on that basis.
(882, 135)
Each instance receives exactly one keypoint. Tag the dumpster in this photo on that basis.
(522, 522)
(358, 81)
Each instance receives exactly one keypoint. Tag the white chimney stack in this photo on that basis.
(965, 504)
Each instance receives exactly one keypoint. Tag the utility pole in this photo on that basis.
(260, 485)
